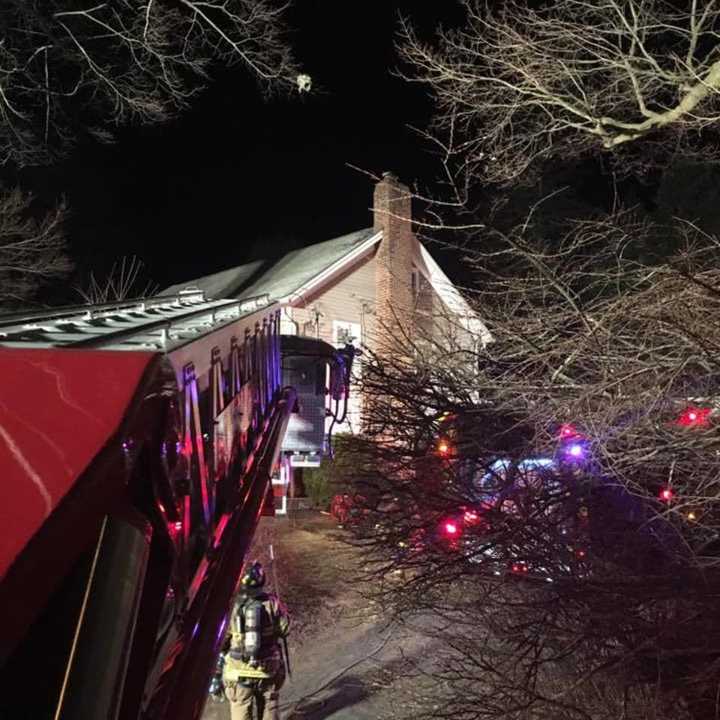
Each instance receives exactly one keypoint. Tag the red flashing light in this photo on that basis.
(666, 494)
(580, 553)
(568, 431)
(451, 528)
(519, 568)
(694, 417)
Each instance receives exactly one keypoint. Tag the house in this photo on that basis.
(368, 287)
(356, 287)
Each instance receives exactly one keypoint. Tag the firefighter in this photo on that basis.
(253, 670)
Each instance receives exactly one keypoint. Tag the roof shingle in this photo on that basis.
(292, 272)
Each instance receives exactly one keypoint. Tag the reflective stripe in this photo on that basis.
(236, 669)
(231, 676)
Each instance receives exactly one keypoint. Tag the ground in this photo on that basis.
(347, 664)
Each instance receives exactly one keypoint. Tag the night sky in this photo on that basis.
(238, 177)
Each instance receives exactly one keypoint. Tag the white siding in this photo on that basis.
(349, 299)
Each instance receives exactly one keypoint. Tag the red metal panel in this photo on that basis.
(58, 407)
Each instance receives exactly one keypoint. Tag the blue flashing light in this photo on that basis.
(536, 464)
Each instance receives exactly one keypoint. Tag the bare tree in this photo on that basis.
(67, 64)
(515, 85)
(125, 280)
(550, 503)
(553, 510)
(32, 251)
(68, 67)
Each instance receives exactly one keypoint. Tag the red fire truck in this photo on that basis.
(137, 440)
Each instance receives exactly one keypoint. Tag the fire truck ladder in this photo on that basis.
(138, 439)
(159, 323)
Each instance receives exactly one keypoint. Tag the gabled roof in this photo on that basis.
(299, 270)
(292, 275)
(223, 284)
(290, 279)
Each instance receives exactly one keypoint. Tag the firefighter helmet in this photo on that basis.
(254, 576)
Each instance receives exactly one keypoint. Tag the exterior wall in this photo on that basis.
(350, 299)
(435, 321)
(427, 305)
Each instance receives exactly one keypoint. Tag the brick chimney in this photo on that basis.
(392, 214)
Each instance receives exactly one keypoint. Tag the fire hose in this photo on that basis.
(285, 649)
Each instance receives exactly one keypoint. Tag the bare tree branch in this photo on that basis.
(517, 85)
(126, 279)
(32, 251)
(557, 582)
(66, 64)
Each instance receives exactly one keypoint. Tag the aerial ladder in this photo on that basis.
(137, 442)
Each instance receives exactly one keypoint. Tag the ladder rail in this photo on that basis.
(180, 310)
(129, 305)
(167, 324)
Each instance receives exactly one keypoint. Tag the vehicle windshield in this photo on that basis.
(503, 477)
